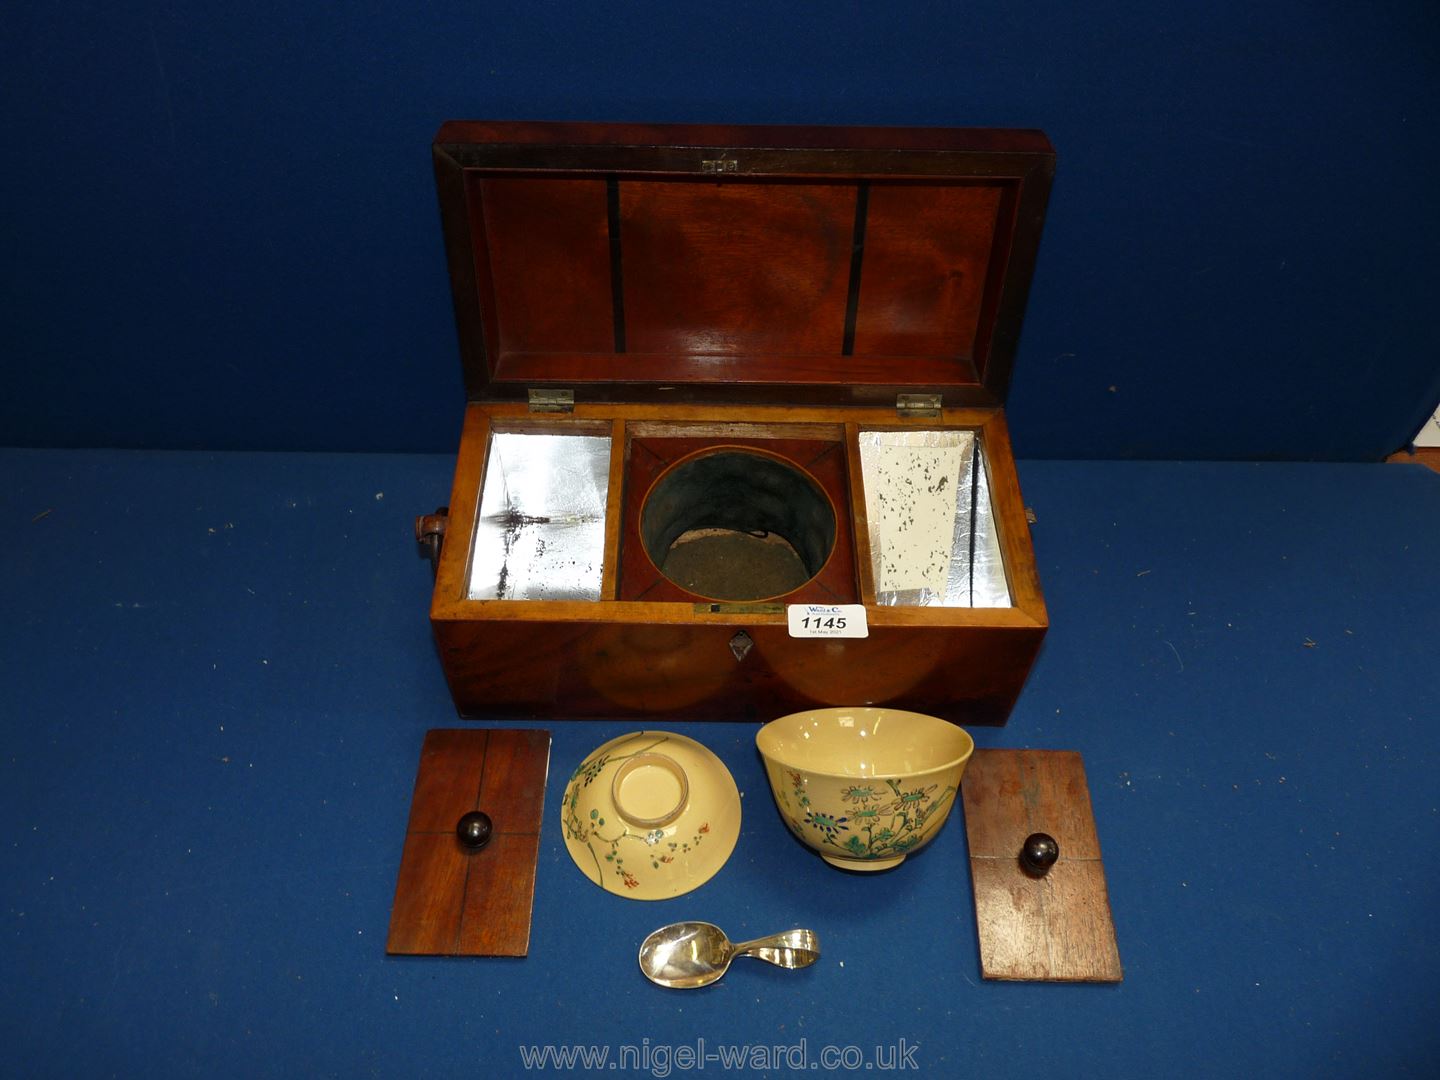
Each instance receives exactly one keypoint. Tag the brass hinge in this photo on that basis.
(552, 400)
(917, 404)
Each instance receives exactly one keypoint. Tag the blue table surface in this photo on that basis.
(218, 672)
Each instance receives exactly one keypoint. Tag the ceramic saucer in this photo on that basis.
(650, 815)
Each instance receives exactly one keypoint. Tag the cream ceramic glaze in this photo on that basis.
(650, 815)
(864, 786)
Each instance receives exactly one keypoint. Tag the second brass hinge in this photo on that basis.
(552, 400)
(917, 404)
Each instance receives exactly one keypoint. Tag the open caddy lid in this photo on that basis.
(740, 264)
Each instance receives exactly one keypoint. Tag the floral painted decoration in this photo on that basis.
(610, 850)
(882, 818)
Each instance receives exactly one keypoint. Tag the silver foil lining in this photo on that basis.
(932, 530)
(540, 533)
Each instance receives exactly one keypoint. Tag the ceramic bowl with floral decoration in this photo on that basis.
(864, 786)
(650, 815)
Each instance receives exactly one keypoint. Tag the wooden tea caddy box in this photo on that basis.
(776, 292)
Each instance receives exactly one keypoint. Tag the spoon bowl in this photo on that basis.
(687, 955)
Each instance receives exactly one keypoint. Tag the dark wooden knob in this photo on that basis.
(474, 830)
(1038, 854)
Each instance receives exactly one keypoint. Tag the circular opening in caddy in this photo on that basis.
(732, 524)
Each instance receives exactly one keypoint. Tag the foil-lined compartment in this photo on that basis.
(932, 528)
(540, 533)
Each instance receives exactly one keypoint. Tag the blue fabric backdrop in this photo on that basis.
(221, 232)
(214, 697)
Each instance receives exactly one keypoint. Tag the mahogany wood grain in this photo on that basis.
(727, 430)
(500, 886)
(512, 782)
(819, 458)
(452, 573)
(641, 611)
(429, 893)
(722, 276)
(707, 421)
(996, 276)
(859, 517)
(1055, 928)
(525, 421)
(455, 902)
(927, 253)
(988, 153)
(447, 783)
(735, 136)
(549, 256)
(712, 363)
(1426, 456)
(844, 261)
(734, 268)
(471, 290)
(680, 666)
(515, 416)
(651, 658)
(615, 488)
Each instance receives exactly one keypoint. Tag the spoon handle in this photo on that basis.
(792, 949)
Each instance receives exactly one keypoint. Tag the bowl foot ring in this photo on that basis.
(864, 865)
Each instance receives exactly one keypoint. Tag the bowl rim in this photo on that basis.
(771, 755)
